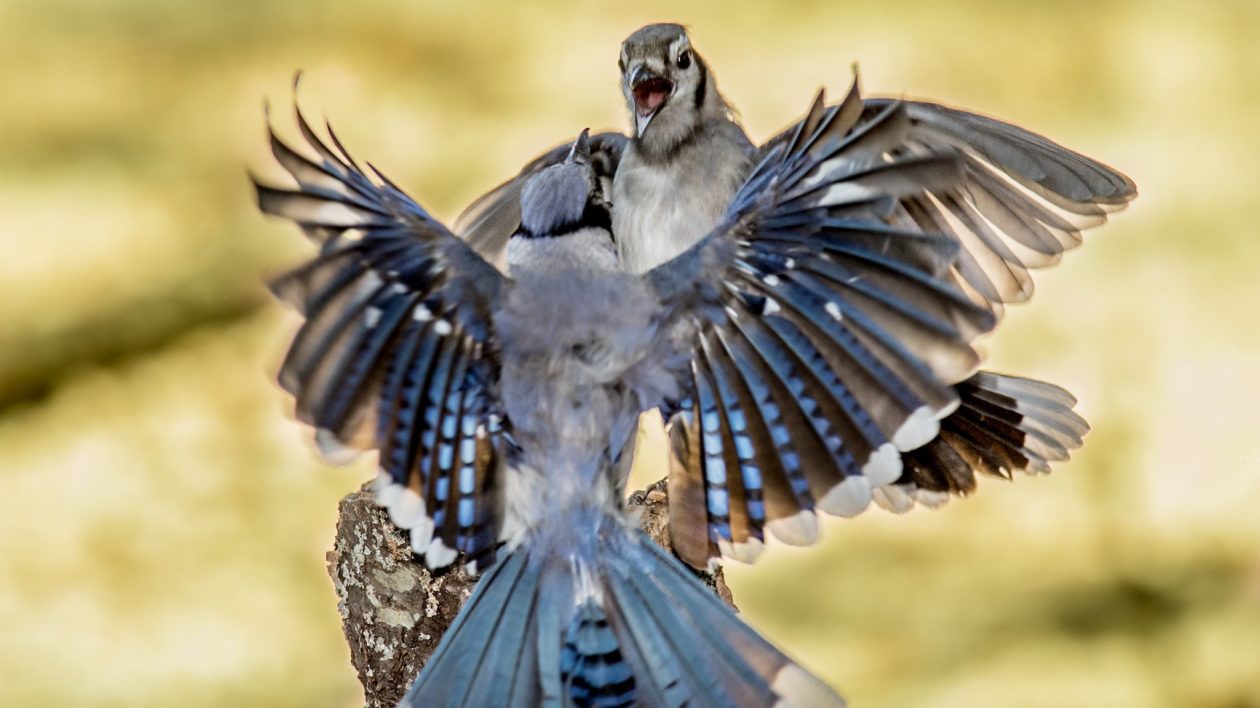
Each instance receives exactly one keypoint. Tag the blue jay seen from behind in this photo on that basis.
(1020, 203)
(500, 402)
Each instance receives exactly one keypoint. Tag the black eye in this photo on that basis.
(684, 60)
(621, 64)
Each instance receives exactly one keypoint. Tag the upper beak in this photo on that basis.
(649, 91)
(641, 73)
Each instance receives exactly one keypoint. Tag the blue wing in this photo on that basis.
(397, 352)
(825, 337)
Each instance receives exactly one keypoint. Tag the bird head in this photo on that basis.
(665, 83)
(564, 197)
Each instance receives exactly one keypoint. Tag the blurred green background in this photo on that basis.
(163, 520)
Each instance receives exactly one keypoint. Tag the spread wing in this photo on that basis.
(397, 350)
(825, 337)
(1023, 200)
(489, 221)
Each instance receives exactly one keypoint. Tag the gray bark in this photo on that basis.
(394, 610)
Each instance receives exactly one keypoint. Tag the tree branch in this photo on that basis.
(394, 610)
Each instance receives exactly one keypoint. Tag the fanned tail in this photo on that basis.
(623, 625)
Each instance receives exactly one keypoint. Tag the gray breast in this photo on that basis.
(661, 209)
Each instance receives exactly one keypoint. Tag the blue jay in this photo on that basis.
(1021, 203)
(499, 403)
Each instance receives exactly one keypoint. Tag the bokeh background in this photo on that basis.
(163, 520)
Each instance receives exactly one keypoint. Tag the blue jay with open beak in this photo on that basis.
(1021, 202)
(500, 402)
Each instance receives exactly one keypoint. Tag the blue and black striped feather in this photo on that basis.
(732, 482)
(397, 350)
(592, 668)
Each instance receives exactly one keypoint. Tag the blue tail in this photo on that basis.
(626, 625)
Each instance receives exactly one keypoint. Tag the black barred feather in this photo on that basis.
(762, 478)
(1004, 424)
(592, 667)
(394, 349)
(782, 441)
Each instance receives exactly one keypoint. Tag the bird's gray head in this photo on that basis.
(667, 86)
(564, 198)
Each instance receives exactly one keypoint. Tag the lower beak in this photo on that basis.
(641, 122)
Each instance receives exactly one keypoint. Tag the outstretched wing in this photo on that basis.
(1023, 200)
(489, 221)
(824, 338)
(397, 352)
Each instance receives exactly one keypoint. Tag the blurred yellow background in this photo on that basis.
(163, 520)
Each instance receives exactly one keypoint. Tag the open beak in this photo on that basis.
(650, 92)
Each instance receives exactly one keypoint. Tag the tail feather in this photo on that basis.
(624, 625)
(483, 641)
(725, 660)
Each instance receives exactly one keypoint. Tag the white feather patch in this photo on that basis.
(895, 498)
(438, 555)
(844, 193)
(680, 43)
(797, 688)
(746, 552)
(799, 529)
(387, 492)
(918, 430)
(834, 310)
(333, 449)
(406, 509)
(932, 500)
(422, 314)
(442, 327)
(422, 534)
(849, 498)
(326, 213)
(884, 465)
